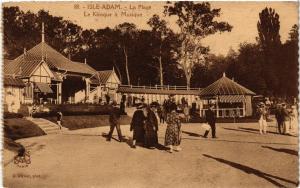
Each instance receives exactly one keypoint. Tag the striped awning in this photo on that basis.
(43, 87)
(231, 98)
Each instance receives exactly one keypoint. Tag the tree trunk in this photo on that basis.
(188, 80)
(161, 72)
(126, 65)
(161, 68)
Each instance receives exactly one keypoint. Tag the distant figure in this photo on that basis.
(114, 120)
(294, 119)
(210, 118)
(143, 99)
(129, 102)
(183, 101)
(137, 126)
(59, 116)
(151, 128)
(161, 115)
(286, 119)
(279, 118)
(107, 98)
(186, 112)
(262, 112)
(122, 107)
(173, 131)
(193, 109)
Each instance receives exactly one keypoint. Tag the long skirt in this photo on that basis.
(173, 135)
(151, 138)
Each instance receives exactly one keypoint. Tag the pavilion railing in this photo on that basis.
(227, 112)
(164, 87)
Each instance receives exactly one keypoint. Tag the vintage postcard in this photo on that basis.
(150, 94)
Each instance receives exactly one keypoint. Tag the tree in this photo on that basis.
(268, 28)
(160, 32)
(289, 71)
(196, 21)
(127, 33)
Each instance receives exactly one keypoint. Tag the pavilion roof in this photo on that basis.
(13, 81)
(101, 77)
(225, 86)
(55, 60)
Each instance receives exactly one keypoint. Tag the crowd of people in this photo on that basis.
(144, 124)
(286, 118)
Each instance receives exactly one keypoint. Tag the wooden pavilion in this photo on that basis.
(230, 98)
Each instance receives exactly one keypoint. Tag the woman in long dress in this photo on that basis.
(173, 131)
(137, 126)
(151, 128)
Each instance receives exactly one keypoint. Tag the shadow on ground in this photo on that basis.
(256, 172)
(284, 150)
(192, 134)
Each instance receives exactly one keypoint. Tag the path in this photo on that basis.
(240, 157)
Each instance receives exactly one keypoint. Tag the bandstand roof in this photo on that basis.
(225, 86)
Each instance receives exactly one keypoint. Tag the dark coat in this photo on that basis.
(210, 116)
(137, 126)
(279, 115)
(151, 128)
(114, 116)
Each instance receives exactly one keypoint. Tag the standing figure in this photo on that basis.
(137, 126)
(107, 98)
(129, 101)
(59, 116)
(210, 118)
(186, 112)
(294, 120)
(114, 120)
(286, 119)
(161, 115)
(262, 121)
(173, 131)
(151, 128)
(279, 118)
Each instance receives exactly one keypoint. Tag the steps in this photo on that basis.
(47, 126)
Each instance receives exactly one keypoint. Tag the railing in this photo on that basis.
(226, 112)
(166, 87)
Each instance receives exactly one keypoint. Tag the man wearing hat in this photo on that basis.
(210, 118)
(262, 111)
(114, 120)
(137, 125)
(279, 118)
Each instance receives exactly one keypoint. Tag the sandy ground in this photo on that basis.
(239, 157)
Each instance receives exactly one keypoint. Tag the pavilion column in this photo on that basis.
(87, 90)
(217, 106)
(59, 92)
(244, 110)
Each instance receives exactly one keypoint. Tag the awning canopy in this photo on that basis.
(43, 87)
(231, 98)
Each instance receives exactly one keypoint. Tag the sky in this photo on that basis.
(243, 16)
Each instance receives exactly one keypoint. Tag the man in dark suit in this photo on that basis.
(279, 118)
(210, 118)
(114, 120)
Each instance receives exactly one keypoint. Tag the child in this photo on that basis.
(59, 118)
